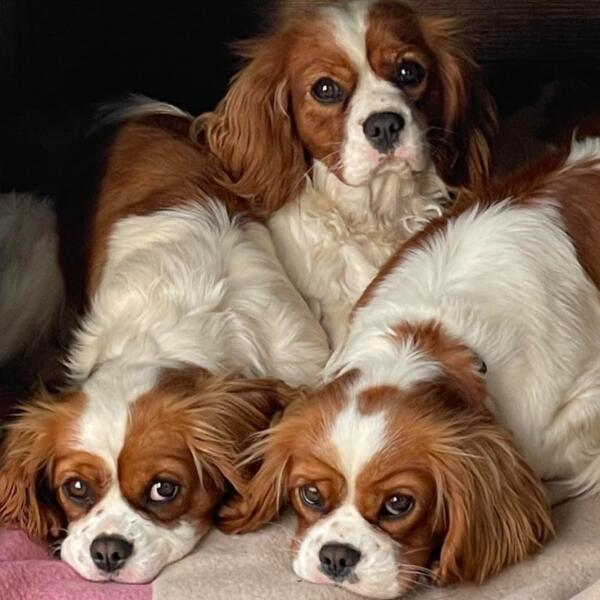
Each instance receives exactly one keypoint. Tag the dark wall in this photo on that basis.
(63, 53)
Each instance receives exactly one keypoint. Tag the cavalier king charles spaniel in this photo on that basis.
(350, 126)
(189, 315)
(469, 378)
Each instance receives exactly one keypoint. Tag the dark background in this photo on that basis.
(64, 53)
(59, 56)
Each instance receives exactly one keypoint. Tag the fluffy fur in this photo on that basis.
(338, 205)
(190, 316)
(469, 376)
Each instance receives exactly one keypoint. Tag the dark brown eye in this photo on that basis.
(310, 496)
(327, 91)
(397, 505)
(78, 491)
(163, 491)
(409, 73)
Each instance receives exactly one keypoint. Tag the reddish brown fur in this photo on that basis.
(150, 166)
(479, 507)
(460, 113)
(268, 128)
(573, 188)
(191, 429)
(189, 421)
(37, 441)
(79, 465)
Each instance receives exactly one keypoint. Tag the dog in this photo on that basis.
(191, 330)
(469, 378)
(350, 127)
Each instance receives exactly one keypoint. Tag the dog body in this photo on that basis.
(349, 126)
(470, 374)
(189, 308)
(517, 283)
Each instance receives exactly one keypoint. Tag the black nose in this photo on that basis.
(383, 130)
(110, 553)
(338, 560)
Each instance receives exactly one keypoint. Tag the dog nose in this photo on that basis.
(383, 130)
(110, 553)
(338, 560)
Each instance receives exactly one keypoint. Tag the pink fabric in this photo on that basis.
(27, 573)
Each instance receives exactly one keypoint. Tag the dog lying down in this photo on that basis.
(471, 373)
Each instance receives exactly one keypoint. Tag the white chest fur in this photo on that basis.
(333, 238)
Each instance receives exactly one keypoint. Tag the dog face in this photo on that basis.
(394, 485)
(366, 87)
(129, 486)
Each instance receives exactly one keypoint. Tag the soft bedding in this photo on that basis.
(257, 567)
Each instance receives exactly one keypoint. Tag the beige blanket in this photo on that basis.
(258, 567)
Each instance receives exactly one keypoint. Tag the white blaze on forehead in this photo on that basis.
(373, 94)
(357, 438)
(349, 24)
(103, 423)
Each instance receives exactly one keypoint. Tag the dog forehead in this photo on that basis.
(103, 424)
(361, 27)
(357, 437)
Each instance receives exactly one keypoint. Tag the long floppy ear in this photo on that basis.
(26, 460)
(493, 509)
(252, 130)
(223, 414)
(265, 493)
(462, 139)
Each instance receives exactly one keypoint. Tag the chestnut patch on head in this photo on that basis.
(184, 440)
(424, 57)
(158, 455)
(322, 81)
(448, 485)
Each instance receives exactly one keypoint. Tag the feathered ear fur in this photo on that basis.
(271, 457)
(26, 462)
(252, 131)
(266, 493)
(462, 140)
(493, 510)
(220, 415)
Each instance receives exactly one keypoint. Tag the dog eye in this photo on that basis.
(398, 505)
(327, 91)
(78, 491)
(310, 495)
(409, 73)
(163, 491)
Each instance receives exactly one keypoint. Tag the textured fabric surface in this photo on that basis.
(258, 567)
(27, 573)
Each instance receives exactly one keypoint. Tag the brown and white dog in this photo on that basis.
(129, 465)
(350, 125)
(482, 329)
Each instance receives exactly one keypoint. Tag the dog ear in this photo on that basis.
(26, 461)
(265, 493)
(494, 510)
(463, 133)
(223, 414)
(252, 131)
